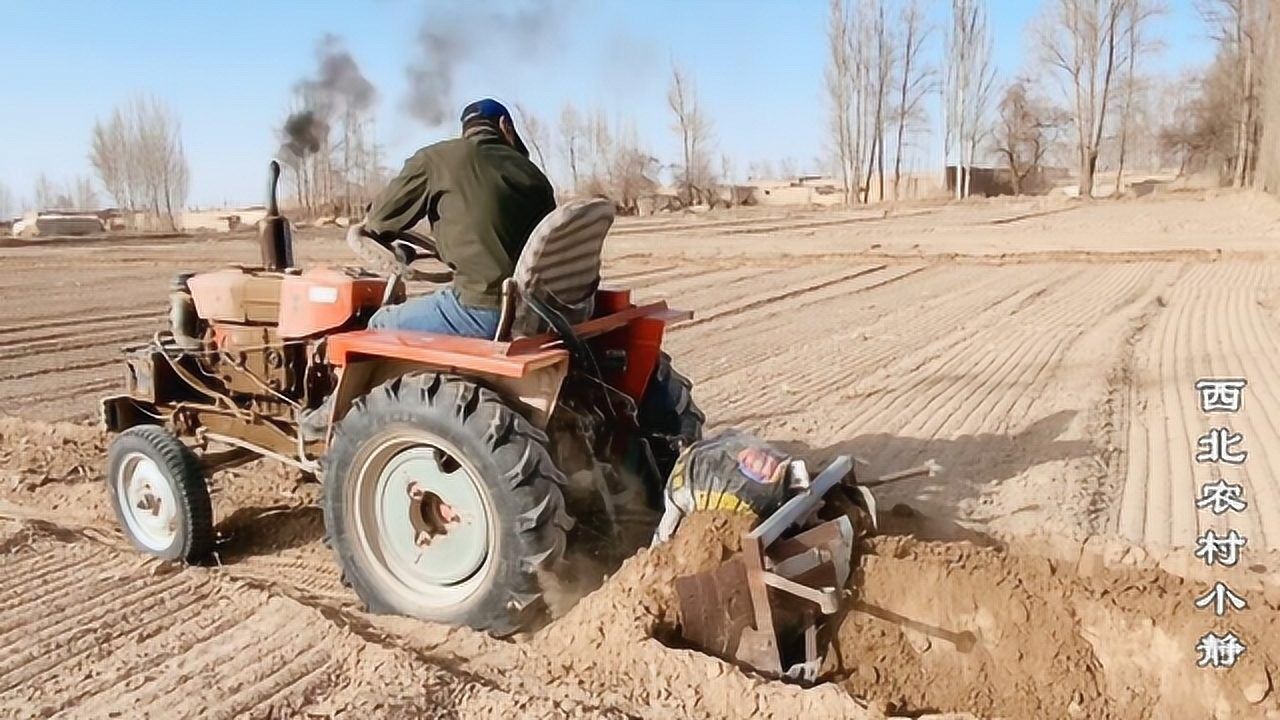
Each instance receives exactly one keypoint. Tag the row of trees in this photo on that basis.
(597, 155)
(336, 171)
(138, 156)
(1101, 108)
(876, 82)
(1215, 122)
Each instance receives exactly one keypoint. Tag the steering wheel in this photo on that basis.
(411, 246)
(397, 257)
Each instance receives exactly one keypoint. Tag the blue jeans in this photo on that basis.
(439, 312)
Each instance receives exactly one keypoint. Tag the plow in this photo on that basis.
(457, 471)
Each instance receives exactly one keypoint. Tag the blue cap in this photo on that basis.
(486, 108)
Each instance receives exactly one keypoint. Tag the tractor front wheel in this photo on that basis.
(442, 503)
(159, 494)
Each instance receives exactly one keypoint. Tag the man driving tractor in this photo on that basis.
(483, 197)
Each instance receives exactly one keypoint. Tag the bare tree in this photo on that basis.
(86, 198)
(571, 142)
(968, 88)
(599, 151)
(1200, 127)
(535, 132)
(109, 154)
(139, 158)
(1081, 40)
(613, 163)
(915, 80)
(45, 193)
(840, 87)
(161, 159)
(788, 169)
(1136, 17)
(879, 80)
(632, 169)
(694, 175)
(1026, 132)
(7, 204)
(1239, 26)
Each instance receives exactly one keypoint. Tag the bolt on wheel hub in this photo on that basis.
(147, 500)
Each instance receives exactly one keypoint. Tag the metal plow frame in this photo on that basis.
(753, 607)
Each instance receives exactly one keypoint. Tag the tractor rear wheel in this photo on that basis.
(159, 494)
(442, 503)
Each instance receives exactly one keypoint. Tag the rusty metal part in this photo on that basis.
(212, 462)
(929, 468)
(765, 607)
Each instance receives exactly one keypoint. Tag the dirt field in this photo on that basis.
(1043, 352)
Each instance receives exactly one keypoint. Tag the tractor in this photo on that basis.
(456, 471)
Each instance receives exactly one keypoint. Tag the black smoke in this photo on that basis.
(455, 34)
(305, 132)
(338, 87)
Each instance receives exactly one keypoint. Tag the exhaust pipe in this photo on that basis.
(275, 240)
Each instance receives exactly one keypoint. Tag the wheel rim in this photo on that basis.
(147, 502)
(423, 520)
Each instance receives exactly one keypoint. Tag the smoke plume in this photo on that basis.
(305, 132)
(338, 86)
(460, 34)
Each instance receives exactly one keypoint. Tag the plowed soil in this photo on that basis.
(1043, 353)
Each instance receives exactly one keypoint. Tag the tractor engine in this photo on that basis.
(245, 349)
(252, 330)
(237, 333)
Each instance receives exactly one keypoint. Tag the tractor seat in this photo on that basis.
(559, 269)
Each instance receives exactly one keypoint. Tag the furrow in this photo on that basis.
(207, 660)
(20, 349)
(79, 321)
(103, 641)
(258, 695)
(91, 605)
(127, 661)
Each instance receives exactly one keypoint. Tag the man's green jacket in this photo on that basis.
(482, 197)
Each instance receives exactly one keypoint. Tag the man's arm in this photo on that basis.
(403, 203)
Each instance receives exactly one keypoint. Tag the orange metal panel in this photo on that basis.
(641, 339)
(593, 327)
(324, 299)
(235, 294)
(444, 351)
(612, 300)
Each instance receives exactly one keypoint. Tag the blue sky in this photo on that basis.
(227, 68)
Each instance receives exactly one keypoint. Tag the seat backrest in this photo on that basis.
(560, 264)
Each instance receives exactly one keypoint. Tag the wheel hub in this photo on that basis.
(147, 500)
(431, 517)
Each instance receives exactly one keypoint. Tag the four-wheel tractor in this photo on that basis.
(455, 470)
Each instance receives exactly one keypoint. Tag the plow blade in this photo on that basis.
(767, 607)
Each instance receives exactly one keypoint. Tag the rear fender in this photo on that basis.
(641, 341)
(532, 395)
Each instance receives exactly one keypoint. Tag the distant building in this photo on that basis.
(990, 182)
(69, 222)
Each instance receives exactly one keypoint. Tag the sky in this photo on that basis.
(227, 69)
